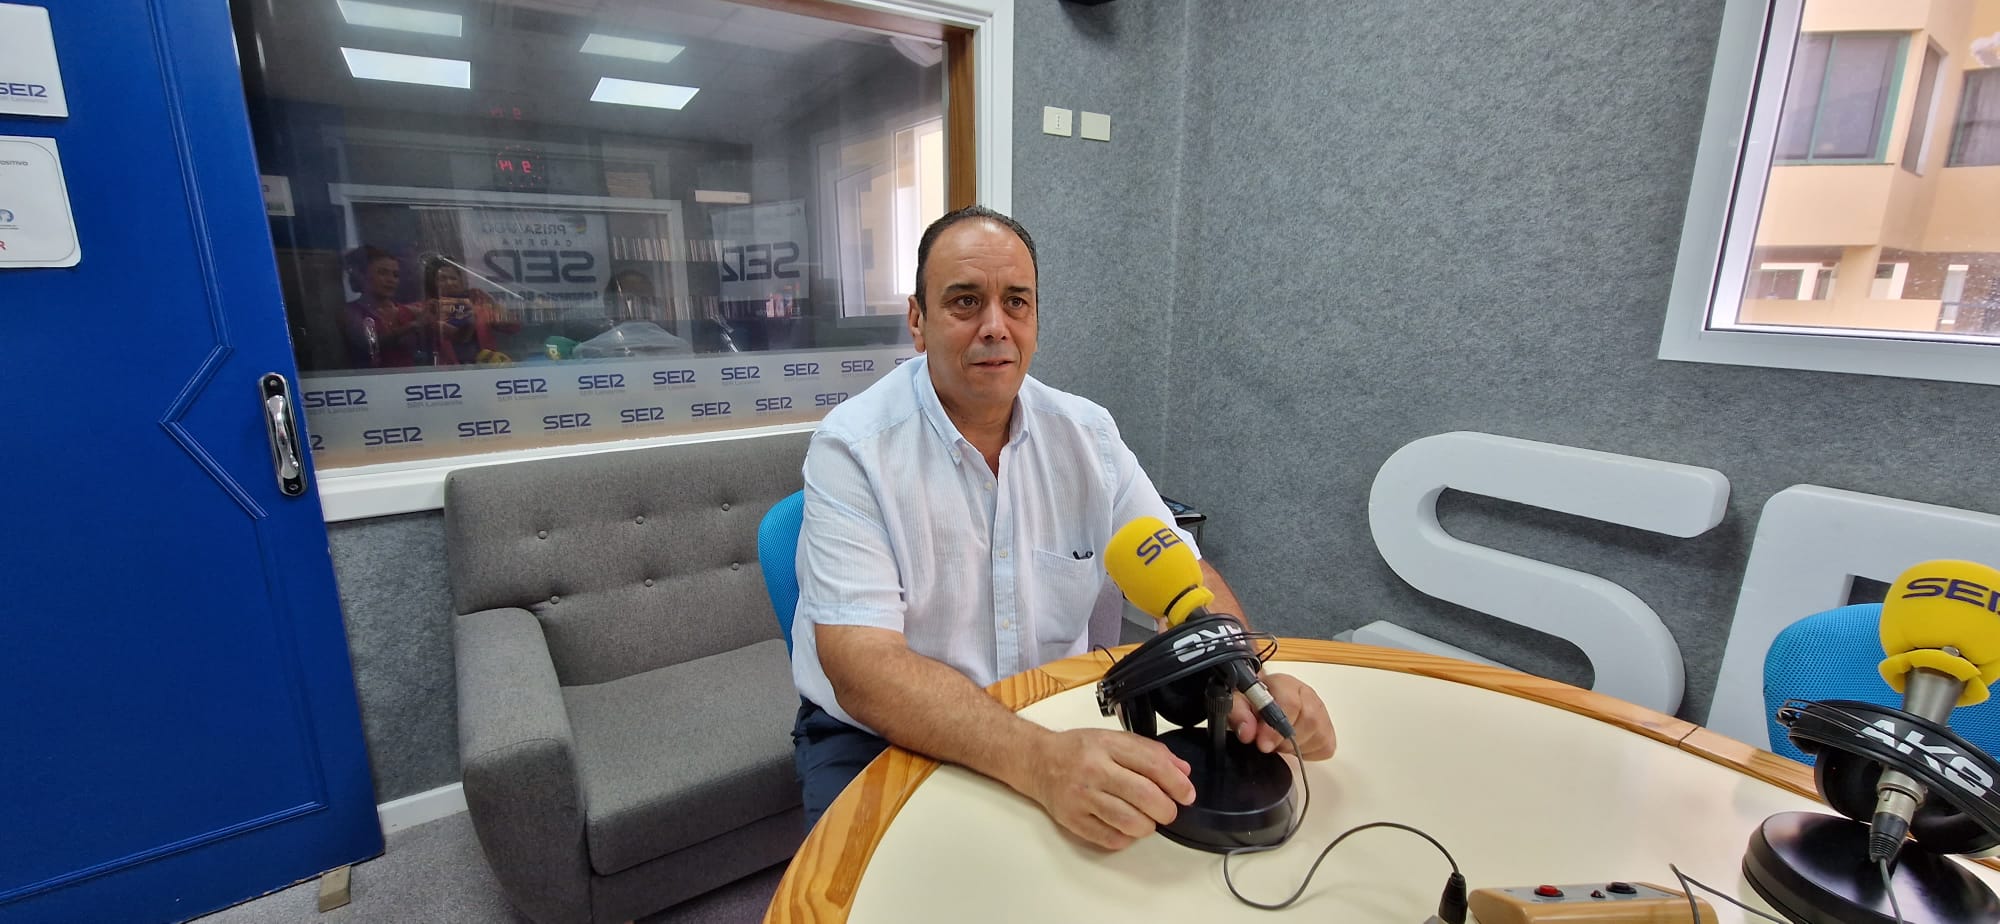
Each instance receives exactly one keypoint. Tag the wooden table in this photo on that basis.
(1526, 780)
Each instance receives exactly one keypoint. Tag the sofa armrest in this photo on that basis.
(517, 756)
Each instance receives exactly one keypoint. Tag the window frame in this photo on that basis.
(1732, 166)
(984, 51)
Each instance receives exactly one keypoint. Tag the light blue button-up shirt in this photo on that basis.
(906, 529)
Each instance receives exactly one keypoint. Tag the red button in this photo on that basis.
(1548, 891)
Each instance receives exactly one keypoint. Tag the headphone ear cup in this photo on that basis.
(1137, 716)
(1181, 702)
(1940, 827)
(1847, 781)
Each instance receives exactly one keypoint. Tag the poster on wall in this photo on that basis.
(30, 79)
(763, 258)
(36, 226)
(550, 256)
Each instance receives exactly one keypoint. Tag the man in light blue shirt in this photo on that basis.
(953, 514)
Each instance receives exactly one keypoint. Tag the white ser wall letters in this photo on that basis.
(1634, 656)
(1811, 544)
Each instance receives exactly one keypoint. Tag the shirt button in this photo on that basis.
(542, 534)
(649, 582)
(639, 519)
(725, 506)
(557, 598)
(1009, 624)
(1003, 553)
(735, 566)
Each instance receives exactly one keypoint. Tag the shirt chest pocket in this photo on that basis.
(1065, 590)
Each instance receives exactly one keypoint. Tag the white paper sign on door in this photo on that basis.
(30, 81)
(36, 227)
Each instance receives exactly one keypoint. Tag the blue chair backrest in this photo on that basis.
(1835, 655)
(777, 556)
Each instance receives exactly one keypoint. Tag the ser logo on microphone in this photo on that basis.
(1958, 589)
(1151, 546)
(1942, 757)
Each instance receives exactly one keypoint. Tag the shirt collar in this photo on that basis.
(1019, 428)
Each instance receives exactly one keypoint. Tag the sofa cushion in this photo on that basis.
(673, 756)
(632, 560)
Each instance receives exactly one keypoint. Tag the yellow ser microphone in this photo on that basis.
(1158, 572)
(1941, 636)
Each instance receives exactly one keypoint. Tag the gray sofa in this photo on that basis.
(624, 698)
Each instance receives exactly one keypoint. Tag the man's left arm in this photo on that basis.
(1313, 728)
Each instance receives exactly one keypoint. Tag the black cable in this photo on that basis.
(1689, 884)
(1455, 883)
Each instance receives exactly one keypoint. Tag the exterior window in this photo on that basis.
(1976, 137)
(1838, 102)
(538, 225)
(1807, 244)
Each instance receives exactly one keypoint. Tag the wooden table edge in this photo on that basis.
(855, 822)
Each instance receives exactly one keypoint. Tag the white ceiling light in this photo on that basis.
(636, 49)
(382, 65)
(641, 93)
(401, 18)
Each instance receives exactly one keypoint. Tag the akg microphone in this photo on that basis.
(1941, 633)
(1160, 575)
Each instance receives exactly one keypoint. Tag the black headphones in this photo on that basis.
(1168, 676)
(1854, 741)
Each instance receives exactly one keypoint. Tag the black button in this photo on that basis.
(1622, 888)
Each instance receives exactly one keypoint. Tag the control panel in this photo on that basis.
(1594, 903)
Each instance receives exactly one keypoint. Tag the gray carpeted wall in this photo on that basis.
(1323, 230)
(1401, 219)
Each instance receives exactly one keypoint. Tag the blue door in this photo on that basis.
(178, 724)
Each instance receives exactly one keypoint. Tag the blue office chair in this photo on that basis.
(777, 554)
(1834, 655)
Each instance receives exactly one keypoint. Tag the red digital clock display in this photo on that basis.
(517, 167)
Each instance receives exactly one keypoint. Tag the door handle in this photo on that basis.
(284, 433)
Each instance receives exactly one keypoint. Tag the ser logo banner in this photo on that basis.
(479, 429)
(336, 399)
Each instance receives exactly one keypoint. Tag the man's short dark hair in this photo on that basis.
(967, 214)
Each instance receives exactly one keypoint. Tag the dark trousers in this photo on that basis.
(829, 754)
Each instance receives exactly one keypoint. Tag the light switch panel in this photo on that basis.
(1095, 126)
(1055, 121)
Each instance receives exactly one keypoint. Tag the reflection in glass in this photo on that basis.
(468, 194)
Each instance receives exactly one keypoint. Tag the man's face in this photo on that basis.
(383, 277)
(979, 328)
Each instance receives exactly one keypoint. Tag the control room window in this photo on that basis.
(1824, 230)
(510, 224)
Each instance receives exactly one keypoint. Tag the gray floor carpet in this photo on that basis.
(433, 873)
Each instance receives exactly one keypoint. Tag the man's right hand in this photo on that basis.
(1110, 788)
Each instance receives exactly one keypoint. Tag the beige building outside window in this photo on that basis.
(1861, 204)
(1887, 174)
